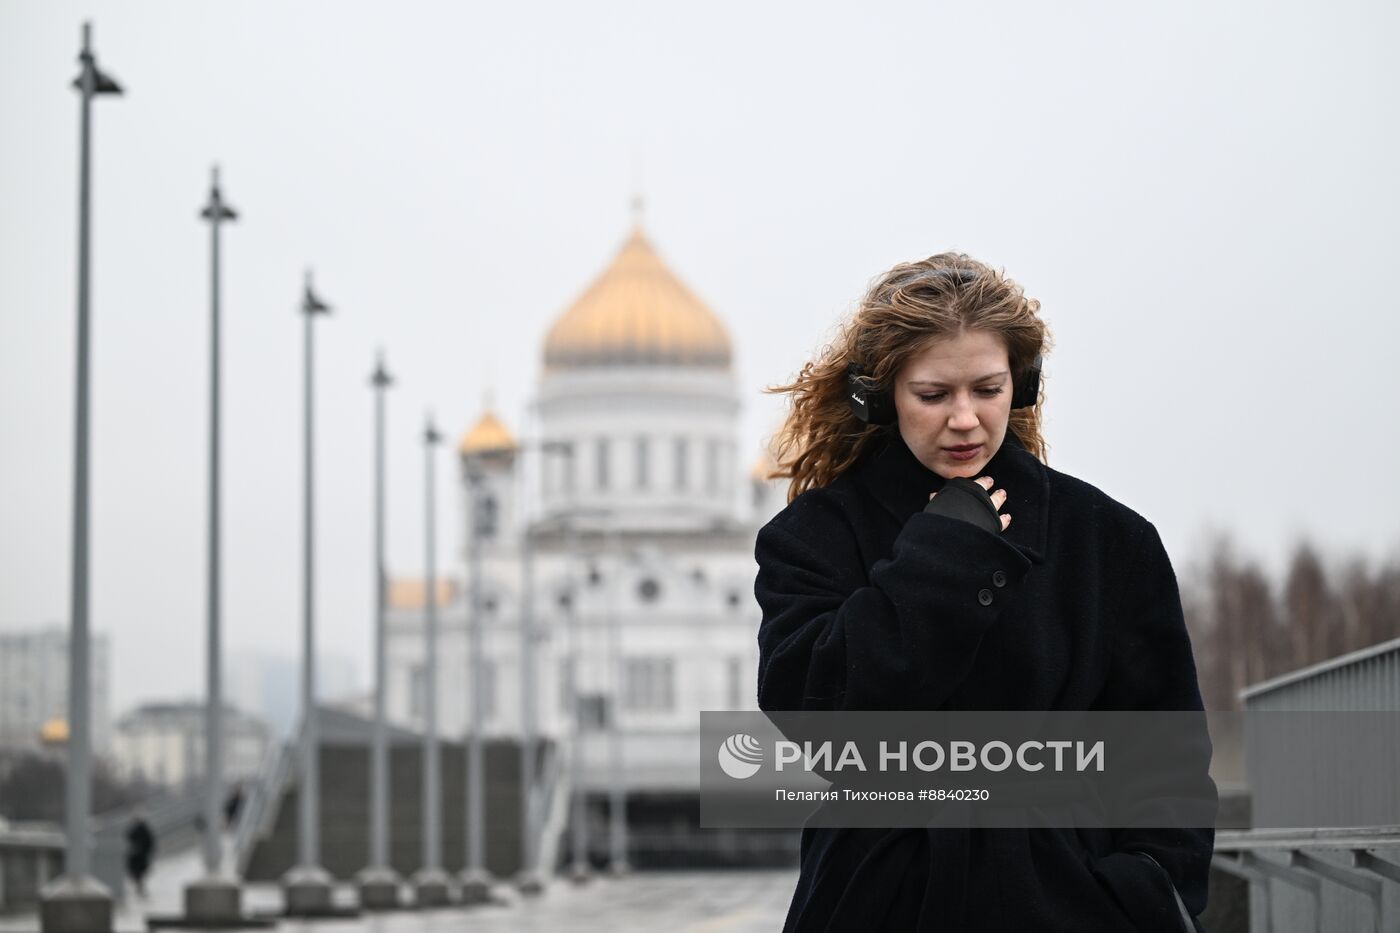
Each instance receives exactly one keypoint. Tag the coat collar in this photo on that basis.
(899, 482)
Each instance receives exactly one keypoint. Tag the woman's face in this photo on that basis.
(955, 394)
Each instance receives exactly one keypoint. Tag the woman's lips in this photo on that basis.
(966, 454)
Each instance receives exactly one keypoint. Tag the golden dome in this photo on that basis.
(54, 732)
(488, 435)
(637, 313)
(413, 593)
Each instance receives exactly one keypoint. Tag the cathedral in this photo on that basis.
(620, 521)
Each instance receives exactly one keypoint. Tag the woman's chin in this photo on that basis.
(969, 470)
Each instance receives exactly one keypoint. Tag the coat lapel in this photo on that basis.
(899, 482)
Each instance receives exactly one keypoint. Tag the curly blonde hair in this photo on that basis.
(905, 310)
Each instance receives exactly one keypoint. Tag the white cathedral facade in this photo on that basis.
(627, 509)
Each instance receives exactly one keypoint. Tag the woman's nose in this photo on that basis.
(963, 417)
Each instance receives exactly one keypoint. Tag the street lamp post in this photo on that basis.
(617, 805)
(476, 881)
(431, 882)
(215, 897)
(578, 829)
(77, 901)
(578, 800)
(379, 884)
(307, 886)
(531, 880)
(528, 881)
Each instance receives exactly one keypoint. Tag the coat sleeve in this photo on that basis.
(904, 638)
(1159, 876)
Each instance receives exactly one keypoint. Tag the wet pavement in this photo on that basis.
(747, 901)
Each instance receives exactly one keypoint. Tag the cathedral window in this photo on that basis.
(643, 477)
(417, 691)
(487, 511)
(486, 691)
(649, 684)
(682, 455)
(566, 683)
(601, 460)
(566, 466)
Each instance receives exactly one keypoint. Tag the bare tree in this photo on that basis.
(1245, 629)
(1308, 605)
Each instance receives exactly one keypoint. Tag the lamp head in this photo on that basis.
(310, 303)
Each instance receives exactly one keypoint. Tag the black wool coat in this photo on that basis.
(871, 603)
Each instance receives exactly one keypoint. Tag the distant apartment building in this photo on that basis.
(163, 743)
(34, 687)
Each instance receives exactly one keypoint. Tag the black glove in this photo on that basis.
(967, 500)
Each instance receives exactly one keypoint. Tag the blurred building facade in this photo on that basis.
(163, 743)
(639, 514)
(34, 688)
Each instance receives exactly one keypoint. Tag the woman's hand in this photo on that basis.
(998, 499)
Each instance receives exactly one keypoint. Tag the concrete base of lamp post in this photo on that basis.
(476, 887)
(529, 883)
(75, 905)
(380, 889)
(214, 903)
(307, 890)
(432, 888)
(214, 900)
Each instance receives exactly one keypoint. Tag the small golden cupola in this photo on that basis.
(54, 731)
(487, 437)
(637, 313)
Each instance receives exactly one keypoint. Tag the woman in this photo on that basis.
(929, 559)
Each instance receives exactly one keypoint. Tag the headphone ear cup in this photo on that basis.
(870, 405)
(1027, 391)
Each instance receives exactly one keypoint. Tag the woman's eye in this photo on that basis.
(985, 392)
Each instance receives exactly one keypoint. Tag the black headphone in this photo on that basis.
(874, 405)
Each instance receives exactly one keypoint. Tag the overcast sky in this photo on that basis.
(1203, 195)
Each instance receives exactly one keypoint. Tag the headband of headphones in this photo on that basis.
(874, 405)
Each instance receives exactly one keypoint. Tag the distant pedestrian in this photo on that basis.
(140, 850)
(232, 805)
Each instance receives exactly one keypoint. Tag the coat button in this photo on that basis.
(984, 597)
(999, 578)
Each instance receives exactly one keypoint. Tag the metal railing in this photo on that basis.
(1327, 879)
(1319, 879)
(258, 815)
(555, 792)
(30, 856)
(1363, 680)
